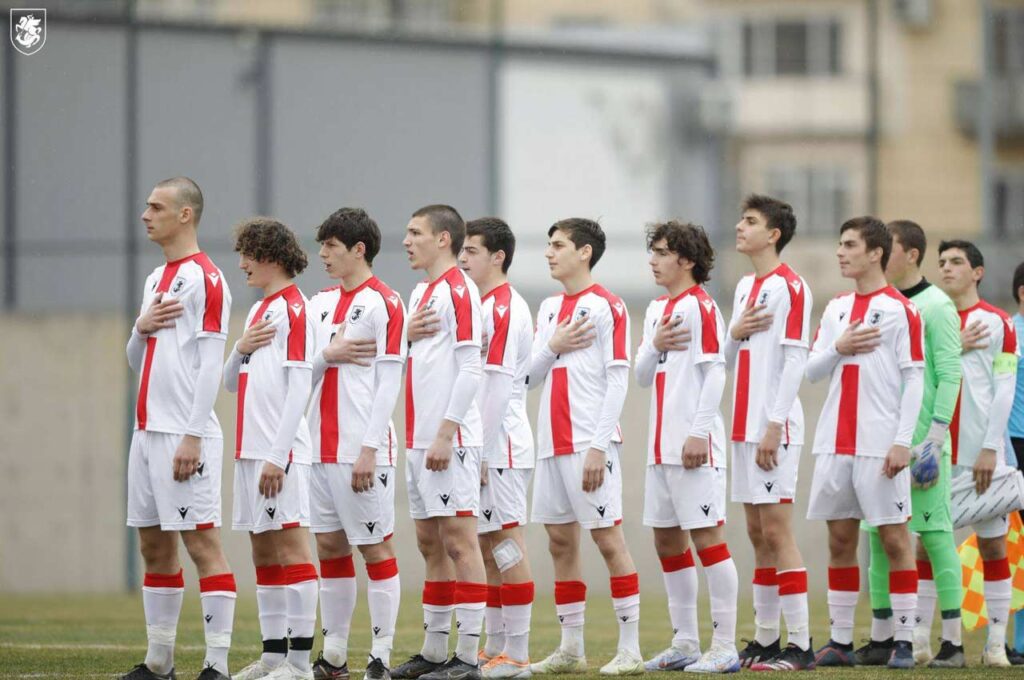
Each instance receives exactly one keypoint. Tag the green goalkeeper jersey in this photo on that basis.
(941, 356)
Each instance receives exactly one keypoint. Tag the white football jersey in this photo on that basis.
(508, 328)
(263, 379)
(761, 357)
(574, 389)
(977, 389)
(678, 380)
(339, 411)
(167, 386)
(432, 368)
(861, 412)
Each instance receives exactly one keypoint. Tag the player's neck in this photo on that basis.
(967, 299)
(765, 261)
(440, 266)
(277, 284)
(181, 247)
(356, 279)
(577, 283)
(680, 286)
(1020, 307)
(491, 282)
(871, 282)
(909, 280)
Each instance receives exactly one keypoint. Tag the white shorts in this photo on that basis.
(688, 499)
(454, 492)
(751, 484)
(366, 518)
(256, 513)
(853, 487)
(155, 499)
(558, 496)
(994, 527)
(503, 499)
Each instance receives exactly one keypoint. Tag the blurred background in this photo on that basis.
(533, 110)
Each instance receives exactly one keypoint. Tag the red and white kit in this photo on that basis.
(685, 400)
(351, 408)
(872, 404)
(262, 392)
(176, 398)
(430, 378)
(985, 399)
(572, 419)
(763, 389)
(508, 450)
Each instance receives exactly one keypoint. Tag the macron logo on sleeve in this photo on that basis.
(460, 290)
(214, 278)
(296, 308)
(795, 285)
(501, 309)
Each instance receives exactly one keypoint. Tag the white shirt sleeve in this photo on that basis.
(387, 385)
(647, 356)
(999, 414)
(497, 391)
(710, 398)
(611, 406)
(211, 356)
(232, 368)
(794, 364)
(910, 404)
(466, 383)
(136, 349)
(541, 360)
(300, 380)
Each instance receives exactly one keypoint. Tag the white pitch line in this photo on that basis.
(110, 648)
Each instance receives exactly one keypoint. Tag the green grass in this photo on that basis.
(104, 635)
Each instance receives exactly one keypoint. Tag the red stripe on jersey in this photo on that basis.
(561, 413)
(659, 400)
(846, 425)
(619, 319)
(396, 317)
(329, 417)
(141, 415)
(1009, 330)
(708, 322)
(296, 324)
(410, 405)
(797, 300)
(954, 428)
(568, 306)
(243, 381)
(860, 307)
(214, 310)
(461, 304)
(739, 413)
(501, 315)
(914, 323)
(509, 450)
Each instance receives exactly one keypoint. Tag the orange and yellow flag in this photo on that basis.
(973, 608)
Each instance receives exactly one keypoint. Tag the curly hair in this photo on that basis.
(264, 239)
(688, 241)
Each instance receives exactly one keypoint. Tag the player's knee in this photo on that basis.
(332, 545)
(377, 552)
(204, 549)
(774, 537)
(560, 545)
(842, 545)
(159, 551)
(992, 548)
(610, 541)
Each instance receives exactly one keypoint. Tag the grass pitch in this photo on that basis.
(101, 636)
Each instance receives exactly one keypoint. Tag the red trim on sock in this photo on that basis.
(903, 582)
(997, 570)
(517, 593)
(844, 578)
(164, 580)
(219, 582)
(299, 573)
(383, 570)
(439, 593)
(272, 575)
(766, 576)
(567, 592)
(677, 562)
(467, 592)
(338, 567)
(792, 582)
(625, 586)
(924, 571)
(494, 596)
(713, 555)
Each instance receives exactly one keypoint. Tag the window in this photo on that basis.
(819, 194)
(1008, 41)
(1008, 205)
(792, 47)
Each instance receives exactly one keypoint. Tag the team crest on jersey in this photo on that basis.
(582, 313)
(179, 283)
(501, 309)
(764, 298)
(876, 317)
(356, 313)
(28, 30)
(266, 317)
(431, 301)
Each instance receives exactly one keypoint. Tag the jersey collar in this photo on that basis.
(494, 290)
(358, 288)
(580, 294)
(280, 292)
(916, 288)
(187, 258)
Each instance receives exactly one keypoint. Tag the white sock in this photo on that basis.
(384, 594)
(301, 595)
(570, 605)
(997, 600)
(952, 630)
(793, 600)
(767, 606)
(337, 602)
(723, 587)
(162, 595)
(470, 602)
(438, 603)
(516, 609)
(494, 624)
(843, 590)
(903, 593)
(881, 629)
(626, 602)
(925, 614)
(272, 603)
(217, 595)
(680, 576)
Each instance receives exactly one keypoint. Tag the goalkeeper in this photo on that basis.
(938, 565)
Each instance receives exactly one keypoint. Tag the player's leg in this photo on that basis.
(765, 588)
(843, 589)
(463, 548)
(337, 601)
(163, 589)
(942, 564)
(895, 540)
(998, 589)
(301, 593)
(508, 550)
(217, 593)
(383, 594)
(679, 573)
(494, 626)
(723, 590)
(879, 647)
(271, 602)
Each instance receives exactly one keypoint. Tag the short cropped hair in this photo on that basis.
(445, 218)
(496, 235)
(974, 256)
(874, 233)
(189, 194)
(777, 214)
(264, 239)
(351, 226)
(688, 241)
(1018, 281)
(910, 235)
(582, 232)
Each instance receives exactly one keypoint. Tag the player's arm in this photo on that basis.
(541, 356)
(696, 448)
(464, 390)
(794, 337)
(300, 382)
(612, 333)
(160, 314)
(646, 355)
(1004, 377)
(499, 373)
(910, 357)
(943, 332)
(824, 356)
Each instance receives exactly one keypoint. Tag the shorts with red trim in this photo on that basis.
(256, 513)
(853, 487)
(558, 496)
(993, 527)
(751, 484)
(688, 499)
(503, 499)
(366, 517)
(452, 492)
(155, 499)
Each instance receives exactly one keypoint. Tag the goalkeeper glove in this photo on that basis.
(926, 457)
